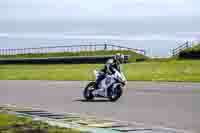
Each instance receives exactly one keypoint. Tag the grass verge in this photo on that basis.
(190, 53)
(12, 124)
(172, 70)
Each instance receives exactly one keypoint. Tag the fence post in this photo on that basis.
(23, 51)
(187, 44)
(105, 46)
(173, 52)
(5, 51)
(9, 51)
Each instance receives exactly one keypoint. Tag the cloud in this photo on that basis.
(38, 9)
(175, 37)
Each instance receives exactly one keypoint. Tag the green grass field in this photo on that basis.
(172, 70)
(13, 124)
(190, 53)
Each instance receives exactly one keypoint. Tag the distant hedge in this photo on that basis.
(190, 53)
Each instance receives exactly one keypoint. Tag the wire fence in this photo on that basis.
(177, 50)
(72, 48)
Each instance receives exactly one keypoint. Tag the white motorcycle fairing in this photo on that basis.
(107, 82)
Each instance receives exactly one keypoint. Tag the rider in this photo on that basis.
(110, 66)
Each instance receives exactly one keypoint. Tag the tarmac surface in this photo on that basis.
(168, 104)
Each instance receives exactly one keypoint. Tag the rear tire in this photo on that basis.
(115, 96)
(87, 93)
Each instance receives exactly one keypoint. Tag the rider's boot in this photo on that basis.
(98, 81)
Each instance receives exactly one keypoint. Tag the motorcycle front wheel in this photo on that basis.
(87, 93)
(116, 94)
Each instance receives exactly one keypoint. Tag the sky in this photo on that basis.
(164, 23)
(96, 9)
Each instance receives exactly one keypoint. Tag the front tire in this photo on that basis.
(114, 96)
(87, 93)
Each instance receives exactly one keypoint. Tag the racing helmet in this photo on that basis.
(119, 58)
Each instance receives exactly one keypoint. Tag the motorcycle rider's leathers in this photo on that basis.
(109, 68)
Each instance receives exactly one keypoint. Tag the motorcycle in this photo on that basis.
(110, 87)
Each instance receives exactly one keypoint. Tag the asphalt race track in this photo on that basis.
(168, 104)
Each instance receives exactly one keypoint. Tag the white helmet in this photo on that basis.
(119, 58)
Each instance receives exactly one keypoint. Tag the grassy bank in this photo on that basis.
(12, 124)
(133, 55)
(172, 70)
(190, 53)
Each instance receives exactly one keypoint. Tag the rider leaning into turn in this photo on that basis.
(110, 67)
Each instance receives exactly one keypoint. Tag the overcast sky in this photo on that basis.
(96, 9)
(169, 21)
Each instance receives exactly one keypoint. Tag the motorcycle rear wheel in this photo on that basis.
(87, 93)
